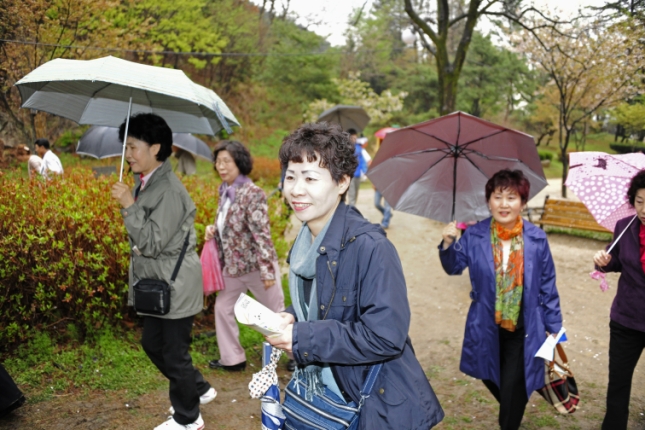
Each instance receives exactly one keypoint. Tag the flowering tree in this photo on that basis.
(590, 67)
(355, 92)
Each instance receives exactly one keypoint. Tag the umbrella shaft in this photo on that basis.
(125, 138)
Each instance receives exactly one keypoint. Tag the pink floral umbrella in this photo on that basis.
(601, 180)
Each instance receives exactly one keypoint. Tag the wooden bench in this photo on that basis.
(567, 214)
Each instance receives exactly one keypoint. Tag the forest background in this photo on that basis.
(574, 83)
(274, 73)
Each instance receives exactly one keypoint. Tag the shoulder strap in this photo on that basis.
(181, 258)
(369, 382)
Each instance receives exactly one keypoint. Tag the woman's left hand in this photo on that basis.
(122, 194)
(284, 341)
(268, 283)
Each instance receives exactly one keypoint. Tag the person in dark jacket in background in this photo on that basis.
(627, 317)
(514, 297)
(346, 282)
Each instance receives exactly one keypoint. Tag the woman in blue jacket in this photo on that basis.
(346, 282)
(515, 302)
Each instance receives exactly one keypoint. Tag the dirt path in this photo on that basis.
(439, 306)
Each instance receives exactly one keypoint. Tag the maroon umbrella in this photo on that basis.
(438, 169)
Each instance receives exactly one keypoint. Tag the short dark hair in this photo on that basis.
(42, 142)
(512, 179)
(352, 131)
(151, 129)
(335, 151)
(637, 182)
(240, 154)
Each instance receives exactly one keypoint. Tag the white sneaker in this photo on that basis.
(204, 399)
(171, 424)
(208, 396)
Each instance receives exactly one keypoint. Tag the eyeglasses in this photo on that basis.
(222, 161)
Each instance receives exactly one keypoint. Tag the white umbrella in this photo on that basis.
(102, 91)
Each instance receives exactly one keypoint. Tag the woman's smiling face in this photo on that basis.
(312, 192)
(505, 206)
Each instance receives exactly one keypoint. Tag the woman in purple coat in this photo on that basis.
(514, 298)
(627, 318)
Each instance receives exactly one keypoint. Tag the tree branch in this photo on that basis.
(416, 19)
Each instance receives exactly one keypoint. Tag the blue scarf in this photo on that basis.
(302, 264)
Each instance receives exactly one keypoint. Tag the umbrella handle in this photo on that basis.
(125, 138)
(621, 235)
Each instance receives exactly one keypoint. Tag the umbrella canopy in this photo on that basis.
(601, 181)
(190, 143)
(347, 116)
(98, 92)
(438, 169)
(100, 142)
(103, 142)
(382, 132)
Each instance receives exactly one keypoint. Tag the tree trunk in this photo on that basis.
(563, 150)
(565, 161)
(448, 82)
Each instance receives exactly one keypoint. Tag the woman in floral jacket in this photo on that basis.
(243, 238)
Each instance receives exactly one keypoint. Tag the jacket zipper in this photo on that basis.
(333, 290)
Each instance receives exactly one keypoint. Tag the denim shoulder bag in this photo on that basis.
(325, 411)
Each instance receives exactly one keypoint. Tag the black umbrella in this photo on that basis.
(100, 142)
(190, 143)
(103, 142)
(347, 116)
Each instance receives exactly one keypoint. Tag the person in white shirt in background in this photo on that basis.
(50, 163)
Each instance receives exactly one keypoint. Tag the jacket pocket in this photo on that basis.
(343, 305)
(388, 390)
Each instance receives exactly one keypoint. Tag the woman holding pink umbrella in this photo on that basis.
(627, 317)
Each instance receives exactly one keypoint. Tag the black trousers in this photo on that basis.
(10, 396)
(166, 342)
(625, 348)
(511, 394)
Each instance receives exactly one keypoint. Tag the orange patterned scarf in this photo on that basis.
(509, 283)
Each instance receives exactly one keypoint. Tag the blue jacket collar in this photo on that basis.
(346, 224)
(532, 234)
(482, 229)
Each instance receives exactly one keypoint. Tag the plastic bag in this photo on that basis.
(211, 268)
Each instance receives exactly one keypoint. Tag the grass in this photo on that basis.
(107, 361)
(111, 361)
(603, 237)
(595, 142)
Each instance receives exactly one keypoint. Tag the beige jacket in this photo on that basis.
(157, 224)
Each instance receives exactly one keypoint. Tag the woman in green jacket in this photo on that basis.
(158, 216)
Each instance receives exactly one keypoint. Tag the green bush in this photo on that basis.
(546, 155)
(64, 253)
(623, 148)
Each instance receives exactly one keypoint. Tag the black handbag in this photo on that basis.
(152, 296)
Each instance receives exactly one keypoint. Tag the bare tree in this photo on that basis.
(456, 21)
